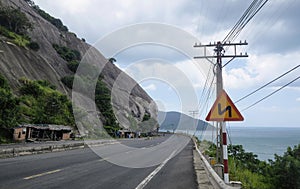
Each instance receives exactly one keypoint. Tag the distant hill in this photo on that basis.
(179, 121)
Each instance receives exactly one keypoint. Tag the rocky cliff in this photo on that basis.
(46, 64)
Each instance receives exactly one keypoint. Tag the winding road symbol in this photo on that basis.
(224, 109)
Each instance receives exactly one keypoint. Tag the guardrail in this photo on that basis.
(211, 171)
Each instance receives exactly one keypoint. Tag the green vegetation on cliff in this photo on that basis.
(102, 92)
(10, 109)
(103, 103)
(39, 102)
(66, 53)
(14, 26)
(14, 20)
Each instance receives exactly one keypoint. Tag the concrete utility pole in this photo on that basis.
(222, 152)
(194, 113)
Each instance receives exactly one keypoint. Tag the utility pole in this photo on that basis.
(194, 113)
(222, 151)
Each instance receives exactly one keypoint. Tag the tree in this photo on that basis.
(3, 83)
(14, 20)
(30, 2)
(246, 160)
(55, 21)
(9, 111)
(285, 172)
(112, 60)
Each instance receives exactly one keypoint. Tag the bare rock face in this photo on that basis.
(130, 102)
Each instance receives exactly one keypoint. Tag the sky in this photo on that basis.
(153, 42)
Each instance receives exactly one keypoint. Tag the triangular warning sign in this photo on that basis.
(224, 110)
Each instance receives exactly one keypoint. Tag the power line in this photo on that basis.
(271, 94)
(205, 85)
(267, 84)
(209, 93)
(247, 21)
(266, 20)
(227, 38)
(252, 10)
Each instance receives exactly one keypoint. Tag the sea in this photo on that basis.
(262, 141)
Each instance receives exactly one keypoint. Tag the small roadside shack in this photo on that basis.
(41, 132)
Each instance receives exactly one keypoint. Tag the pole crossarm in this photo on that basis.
(219, 48)
(223, 44)
(223, 56)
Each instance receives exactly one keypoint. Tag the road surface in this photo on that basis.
(83, 168)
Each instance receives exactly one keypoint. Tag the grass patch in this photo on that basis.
(17, 39)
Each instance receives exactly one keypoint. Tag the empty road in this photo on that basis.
(84, 168)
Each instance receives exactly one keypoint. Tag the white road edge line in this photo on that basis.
(149, 177)
(42, 174)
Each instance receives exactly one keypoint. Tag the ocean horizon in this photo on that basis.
(262, 141)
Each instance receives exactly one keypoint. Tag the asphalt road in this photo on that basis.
(84, 168)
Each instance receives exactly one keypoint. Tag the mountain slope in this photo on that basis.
(46, 64)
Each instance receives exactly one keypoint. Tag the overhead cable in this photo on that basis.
(271, 94)
(267, 84)
(252, 10)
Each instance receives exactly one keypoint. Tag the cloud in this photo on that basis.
(298, 99)
(274, 28)
(160, 70)
(171, 76)
(150, 87)
(195, 73)
(261, 69)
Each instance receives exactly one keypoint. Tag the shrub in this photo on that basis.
(146, 117)
(66, 53)
(46, 83)
(68, 81)
(9, 104)
(3, 83)
(31, 88)
(34, 46)
(73, 65)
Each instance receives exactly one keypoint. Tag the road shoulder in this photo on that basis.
(204, 179)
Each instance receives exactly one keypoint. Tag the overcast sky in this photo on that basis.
(274, 48)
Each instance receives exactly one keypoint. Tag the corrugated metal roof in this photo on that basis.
(47, 126)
